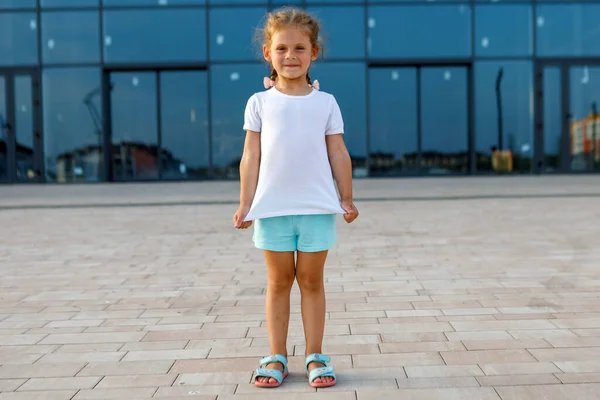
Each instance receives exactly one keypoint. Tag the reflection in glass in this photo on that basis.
(72, 124)
(553, 114)
(279, 3)
(169, 35)
(162, 3)
(231, 87)
(70, 37)
(419, 31)
(23, 129)
(393, 127)
(503, 30)
(3, 132)
(134, 125)
(504, 115)
(585, 121)
(184, 125)
(568, 30)
(17, 3)
(18, 39)
(350, 95)
(69, 3)
(343, 31)
(444, 120)
(232, 41)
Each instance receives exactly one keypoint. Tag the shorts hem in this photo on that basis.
(271, 247)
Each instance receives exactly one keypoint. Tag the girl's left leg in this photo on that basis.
(309, 274)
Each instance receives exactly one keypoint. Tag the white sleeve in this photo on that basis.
(335, 123)
(252, 119)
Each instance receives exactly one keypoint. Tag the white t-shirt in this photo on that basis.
(295, 176)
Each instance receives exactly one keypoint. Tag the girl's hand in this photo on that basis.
(351, 211)
(238, 218)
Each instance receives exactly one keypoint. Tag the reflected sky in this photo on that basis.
(384, 32)
(170, 35)
(18, 39)
(70, 37)
(231, 87)
(516, 88)
(393, 111)
(419, 31)
(68, 120)
(391, 31)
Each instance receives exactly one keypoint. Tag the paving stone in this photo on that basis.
(60, 383)
(430, 394)
(550, 392)
(426, 299)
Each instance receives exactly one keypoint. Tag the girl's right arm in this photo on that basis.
(249, 167)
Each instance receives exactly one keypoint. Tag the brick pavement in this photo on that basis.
(441, 299)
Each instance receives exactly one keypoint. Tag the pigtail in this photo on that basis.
(273, 74)
(308, 80)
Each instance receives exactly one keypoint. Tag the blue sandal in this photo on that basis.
(271, 373)
(319, 372)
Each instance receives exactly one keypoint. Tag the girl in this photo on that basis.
(292, 152)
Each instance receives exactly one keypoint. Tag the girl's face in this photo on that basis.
(291, 53)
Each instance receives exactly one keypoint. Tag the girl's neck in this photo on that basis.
(293, 87)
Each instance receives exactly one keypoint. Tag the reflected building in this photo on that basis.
(144, 90)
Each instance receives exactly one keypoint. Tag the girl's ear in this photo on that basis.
(314, 53)
(266, 53)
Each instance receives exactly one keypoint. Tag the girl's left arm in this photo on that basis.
(341, 165)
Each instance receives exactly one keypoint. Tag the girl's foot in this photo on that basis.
(272, 371)
(318, 372)
(266, 379)
(322, 379)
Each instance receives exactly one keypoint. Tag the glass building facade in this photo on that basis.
(129, 90)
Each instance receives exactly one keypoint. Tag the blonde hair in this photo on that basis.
(291, 17)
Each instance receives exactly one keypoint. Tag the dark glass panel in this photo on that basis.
(18, 39)
(134, 126)
(568, 30)
(419, 31)
(232, 31)
(393, 125)
(444, 120)
(584, 128)
(503, 30)
(184, 124)
(70, 37)
(72, 124)
(169, 35)
(504, 112)
(231, 87)
(343, 31)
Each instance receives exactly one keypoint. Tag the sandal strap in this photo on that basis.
(270, 373)
(321, 372)
(275, 358)
(317, 357)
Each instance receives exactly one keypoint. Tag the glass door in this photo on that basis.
(20, 133)
(568, 117)
(419, 120)
(158, 125)
(584, 120)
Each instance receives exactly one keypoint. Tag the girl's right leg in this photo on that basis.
(281, 271)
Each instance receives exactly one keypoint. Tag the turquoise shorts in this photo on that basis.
(306, 233)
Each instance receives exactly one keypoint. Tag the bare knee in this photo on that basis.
(280, 284)
(310, 282)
